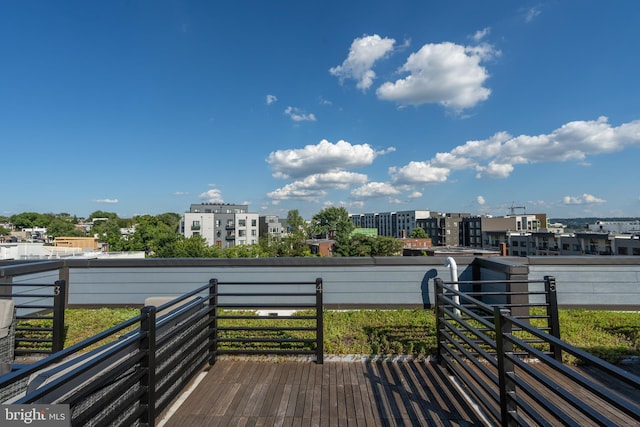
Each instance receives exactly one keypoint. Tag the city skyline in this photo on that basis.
(145, 108)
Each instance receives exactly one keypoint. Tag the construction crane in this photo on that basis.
(513, 208)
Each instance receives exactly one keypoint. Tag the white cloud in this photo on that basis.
(322, 157)
(271, 99)
(374, 189)
(298, 116)
(445, 73)
(585, 199)
(212, 196)
(481, 34)
(480, 200)
(419, 173)
(494, 170)
(415, 195)
(107, 201)
(363, 54)
(497, 156)
(531, 14)
(314, 187)
(293, 192)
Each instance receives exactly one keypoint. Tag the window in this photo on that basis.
(253, 223)
(254, 232)
(242, 222)
(217, 223)
(242, 233)
(229, 223)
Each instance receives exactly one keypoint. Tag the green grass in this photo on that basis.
(608, 335)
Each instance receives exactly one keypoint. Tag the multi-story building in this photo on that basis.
(271, 227)
(618, 227)
(223, 225)
(497, 231)
(442, 228)
(628, 244)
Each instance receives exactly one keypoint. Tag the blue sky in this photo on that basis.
(145, 107)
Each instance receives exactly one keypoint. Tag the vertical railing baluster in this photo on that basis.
(504, 350)
(552, 314)
(59, 303)
(439, 313)
(148, 362)
(213, 321)
(319, 323)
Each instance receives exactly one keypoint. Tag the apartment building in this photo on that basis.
(442, 228)
(272, 227)
(223, 225)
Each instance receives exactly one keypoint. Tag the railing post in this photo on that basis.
(552, 313)
(439, 312)
(504, 348)
(59, 304)
(63, 274)
(319, 323)
(148, 362)
(213, 321)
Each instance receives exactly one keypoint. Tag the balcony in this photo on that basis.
(195, 227)
(370, 392)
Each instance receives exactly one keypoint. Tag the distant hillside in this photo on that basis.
(578, 224)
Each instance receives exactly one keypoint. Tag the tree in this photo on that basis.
(334, 223)
(294, 244)
(150, 235)
(29, 220)
(362, 245)
(419, 233)
(60, 227)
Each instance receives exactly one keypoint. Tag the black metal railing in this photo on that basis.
(126, 375)
(513, 365)
(39, 316)
(238, 330)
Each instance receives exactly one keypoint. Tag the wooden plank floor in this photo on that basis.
(303, 393)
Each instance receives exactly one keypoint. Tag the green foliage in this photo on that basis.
(419, 233)
(334, 223)
(29, 220)
(4, 231)
(63, 227)
(361, 245)
(607, 335)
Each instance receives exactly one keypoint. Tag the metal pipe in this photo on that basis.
(453, 267)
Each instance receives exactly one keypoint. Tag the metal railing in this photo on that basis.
(513, 366)
(39, 316)
(238, 330)
(145, 362)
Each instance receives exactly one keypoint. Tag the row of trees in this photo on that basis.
(159, 235)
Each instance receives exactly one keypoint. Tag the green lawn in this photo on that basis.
(608, 335)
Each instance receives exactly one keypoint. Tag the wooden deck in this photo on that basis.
(302, 393)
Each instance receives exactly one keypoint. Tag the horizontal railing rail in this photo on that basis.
(513, 366)
(239, 331)
(39, 317)
(127, 374)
